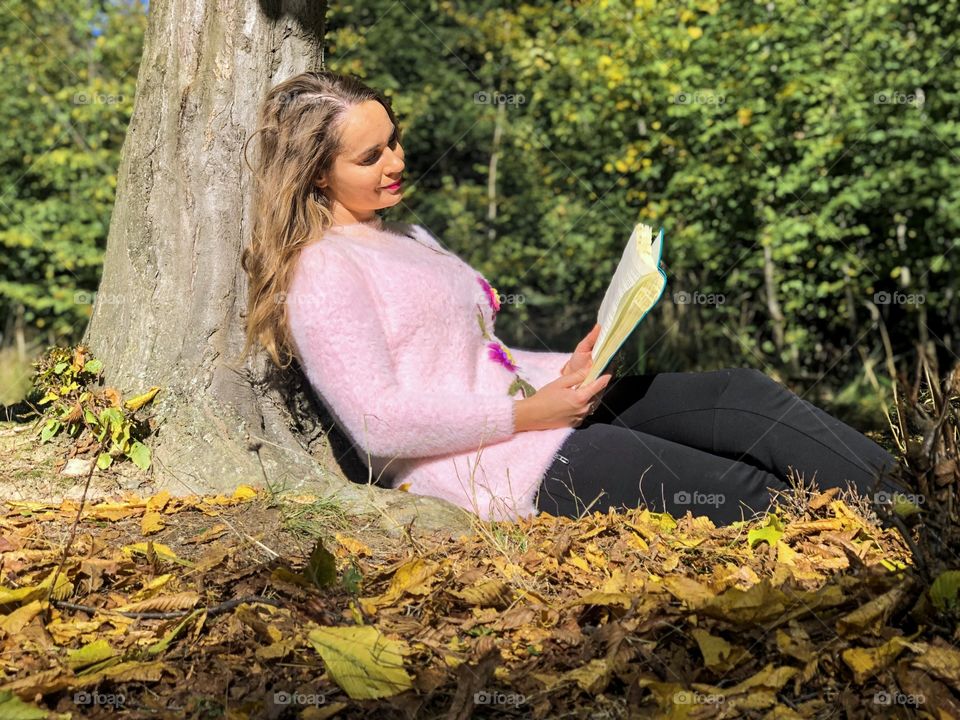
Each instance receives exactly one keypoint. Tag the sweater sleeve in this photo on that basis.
(548, 363)
(335, 326)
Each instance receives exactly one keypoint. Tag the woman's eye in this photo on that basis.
(393, 141)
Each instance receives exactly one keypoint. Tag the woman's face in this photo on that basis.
(370, 161)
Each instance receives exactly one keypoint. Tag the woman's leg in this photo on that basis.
(621, 467)
(742, 414)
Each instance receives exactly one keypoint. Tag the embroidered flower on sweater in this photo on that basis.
(500, 353)
(491, 292)
(497, 351)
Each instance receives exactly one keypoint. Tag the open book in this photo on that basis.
(637, 285)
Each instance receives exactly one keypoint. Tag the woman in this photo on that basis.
(396, 335)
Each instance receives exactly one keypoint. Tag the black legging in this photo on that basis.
(709, 442)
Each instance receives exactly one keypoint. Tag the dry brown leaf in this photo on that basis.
(163, 603)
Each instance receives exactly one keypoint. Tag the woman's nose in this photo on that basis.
(397, 164)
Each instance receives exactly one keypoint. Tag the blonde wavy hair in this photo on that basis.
(300, 123)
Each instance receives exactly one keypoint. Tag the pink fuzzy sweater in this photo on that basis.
(388, 334)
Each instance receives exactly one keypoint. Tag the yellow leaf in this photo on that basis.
(718, 655)
(114, 511)
(597, 597)
(132, 671)
(744, 115)
(871, 614)
(866, 662)
(140, 400)
(89, 654)
(688, 590)
(491, 593)
(65, 632)
(244, 492)
(577, 561)
(151, 587)
(276, 650)
(695, 32)
(362, 661)
(159, 501)
(352, 546)
(62, 590)
(592, 677)
(415, 576)
(19, 618)
(162, 551)
(942, 661)
(9, 596)
(151, 522)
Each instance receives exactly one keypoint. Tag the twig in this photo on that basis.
(215, 610)
(73, 532)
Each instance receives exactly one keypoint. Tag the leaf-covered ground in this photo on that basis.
(209, 607)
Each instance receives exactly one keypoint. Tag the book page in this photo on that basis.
(635, 288)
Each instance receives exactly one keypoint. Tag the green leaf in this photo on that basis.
(103, 462)
(321, 568)
(352, 578)
(13, 708)
(944, 591)
(164, 643)
(93, 366)
(769, 533)
(140, 455)
(49, 430)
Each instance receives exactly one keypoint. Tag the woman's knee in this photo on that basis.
(748, 382)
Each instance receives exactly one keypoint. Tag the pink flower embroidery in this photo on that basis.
(492, 295)
(500, 353)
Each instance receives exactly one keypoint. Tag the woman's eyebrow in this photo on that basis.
(374, 147)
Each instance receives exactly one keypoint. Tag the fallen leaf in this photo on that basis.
(362, 661)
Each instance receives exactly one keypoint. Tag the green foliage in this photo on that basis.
(65, 382)
(68, 96)
(825, 132)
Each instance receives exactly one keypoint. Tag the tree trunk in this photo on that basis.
(168, 311)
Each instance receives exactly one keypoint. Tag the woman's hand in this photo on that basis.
(559, 403)
(583, 353)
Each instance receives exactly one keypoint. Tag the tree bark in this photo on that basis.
(168, 311)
